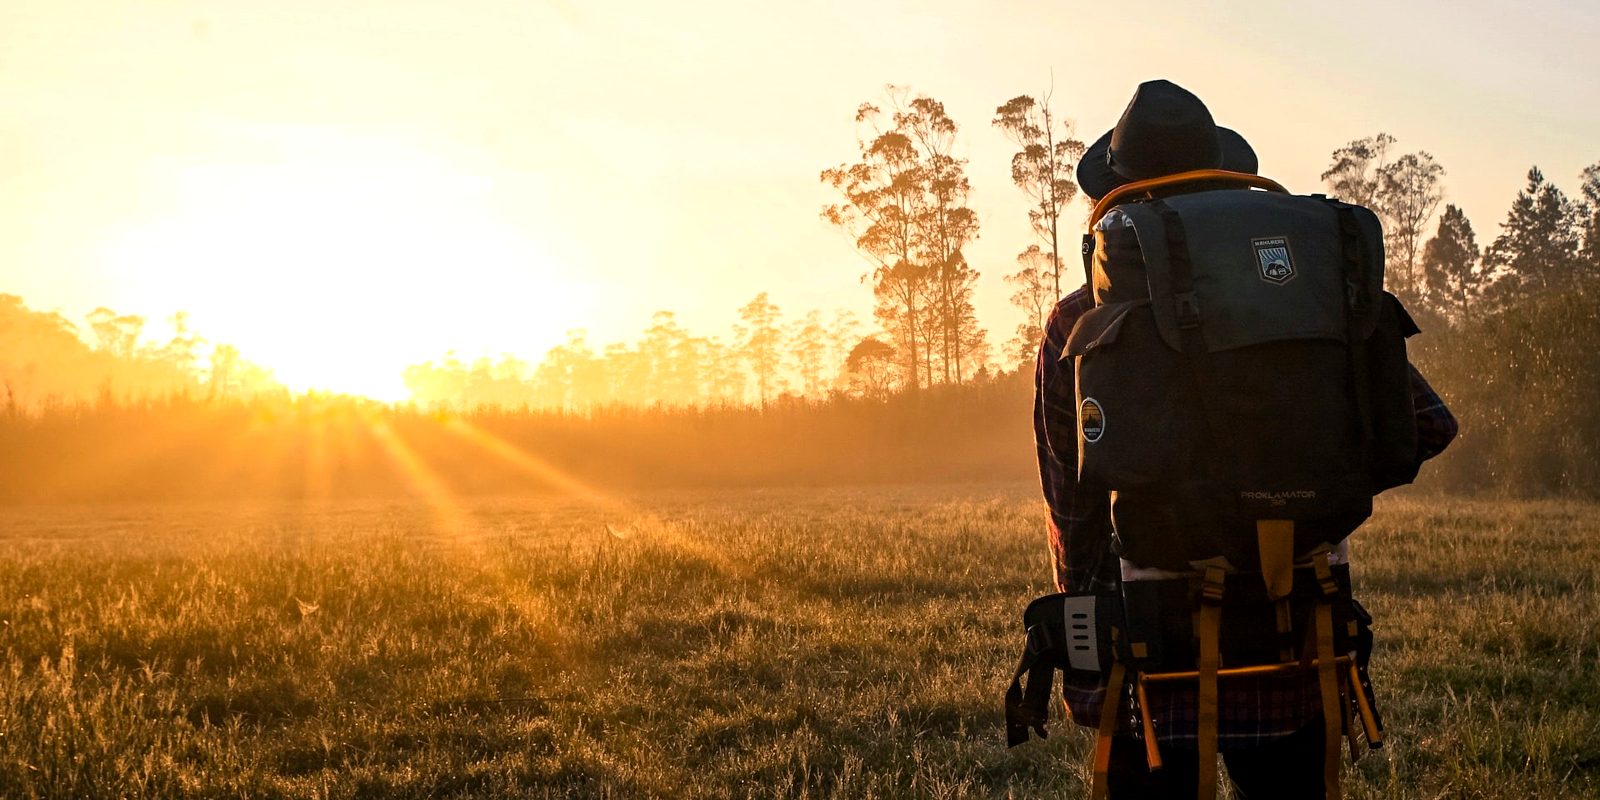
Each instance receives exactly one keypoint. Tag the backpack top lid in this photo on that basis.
(1266, 266)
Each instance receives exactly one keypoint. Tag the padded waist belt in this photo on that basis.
(1069, 632)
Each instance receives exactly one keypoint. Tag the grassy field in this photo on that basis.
(830, 643)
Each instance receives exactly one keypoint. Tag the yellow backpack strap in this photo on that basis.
(1133, 190)
(1275, 547)
(1108, 727)
(1369, 718)
(1327, 676)
(1152, 751)
(1210, 661)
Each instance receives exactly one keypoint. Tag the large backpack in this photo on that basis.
(1242, 364)
(1243, 393)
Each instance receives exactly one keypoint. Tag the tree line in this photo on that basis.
(904, 202)
(48, 360)
(1512, 326)
(1549, 242)
(764, 358)
(1511, 329)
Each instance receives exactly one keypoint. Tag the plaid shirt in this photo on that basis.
(1250, 711)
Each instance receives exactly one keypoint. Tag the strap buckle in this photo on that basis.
(1322, 565)
(1211, 589)
(1188, 309)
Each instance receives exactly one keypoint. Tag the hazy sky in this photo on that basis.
(344, 188)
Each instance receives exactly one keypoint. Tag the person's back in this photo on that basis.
(1106, 425)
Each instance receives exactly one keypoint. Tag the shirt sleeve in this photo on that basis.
(1436, 426)
(1078, 524)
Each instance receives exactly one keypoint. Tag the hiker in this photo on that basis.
(1270, 731)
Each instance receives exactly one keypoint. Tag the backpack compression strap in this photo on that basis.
(1099, 789)
(1164, 243)
(1327, 677)
(1355, 279)
(1210, 634)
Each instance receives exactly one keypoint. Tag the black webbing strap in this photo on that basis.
(1355, 287)
(1181, 268)
(1196, 355)
(1088, 260)
(1029, 709)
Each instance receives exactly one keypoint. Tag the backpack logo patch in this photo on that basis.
(1091, 420)
(1273, 260)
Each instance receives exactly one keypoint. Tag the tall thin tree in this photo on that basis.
(882, 198)
(762, 336)
(945, 224)
(1408, 194)
(1042, 168)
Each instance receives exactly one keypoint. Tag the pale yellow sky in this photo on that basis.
(343, 188)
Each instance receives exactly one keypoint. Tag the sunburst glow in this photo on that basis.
(343, 261)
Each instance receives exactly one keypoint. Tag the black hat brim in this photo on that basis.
(1096, 178)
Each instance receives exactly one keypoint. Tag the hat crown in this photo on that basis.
(1164, 130)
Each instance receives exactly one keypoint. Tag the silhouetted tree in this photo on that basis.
(810, 351)
(1537, 249)
(225, 360)
(1354, 174)
(842, 338)
(870, 367)
(42, 356)
(118, 334)
(1591, 223)
(759, 342)
(628, 376)
(944, 226)
(182, 352)
(882, 200)
(232, 376)
(1404, 192)
(905, 202)
(725, 366)
(1408, 194)
(669, 380)
(973, 343)
(1452, 270)
(587, 372)
(1042, 168)
(1034, 296)
(569, 378)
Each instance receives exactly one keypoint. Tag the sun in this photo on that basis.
(339, 267)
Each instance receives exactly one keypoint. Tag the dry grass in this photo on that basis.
(833, 643)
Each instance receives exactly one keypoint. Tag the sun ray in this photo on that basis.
(660, 531)
(317, 483)
(508, 586)
(421, 480)
(532, 465)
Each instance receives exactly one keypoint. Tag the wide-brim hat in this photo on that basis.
(1164, 130)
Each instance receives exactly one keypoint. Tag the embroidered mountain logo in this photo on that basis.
(1092, 420)
(1273, 259)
